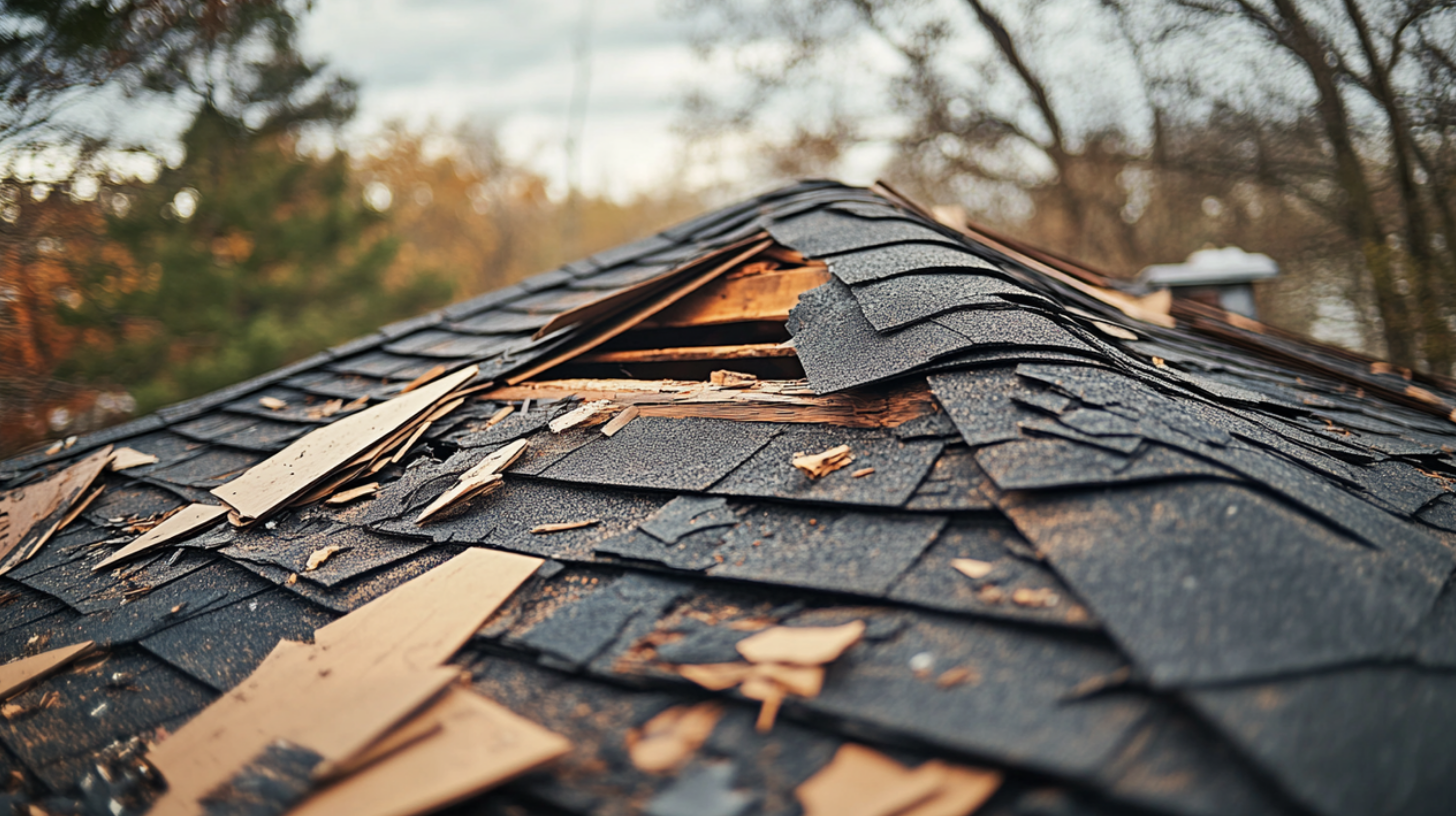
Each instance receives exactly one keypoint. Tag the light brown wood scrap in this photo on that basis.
(36, 512)
(817, 465)
(272, 403)
(364, 676)
(480, 480)
(563, 526)
(126, 458)
(580, 415)
(422, 379)
(668, 740)
(732, 379)
(860, 781)
(18, 675)
(496, 417)
(185, 522)
(1036, 598)
(801, 645)
(972, 568)
(770, 694)
(620, 421)
(743, 295)
(326, 410)
(310, 460)
(749, 351)
(716, 676)
(346, 496)
(318, 557)
(861, 473)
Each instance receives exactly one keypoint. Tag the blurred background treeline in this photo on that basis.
(1120, 132)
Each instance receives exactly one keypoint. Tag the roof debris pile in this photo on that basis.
(810, 505)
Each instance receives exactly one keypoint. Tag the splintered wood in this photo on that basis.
(620, 421)
(667, 741)
(185, 522)
(480, 480)
(972, 568)
(31, 515)
(126, 458)
(322, 461)
(782, 660)
(861, 781)
(563, 526)
(580, 416)
(735, 399)
(372, 696)
(816, 465)
(18, 675)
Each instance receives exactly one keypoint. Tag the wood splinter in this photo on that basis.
(579, 416)
(816, 465)
(563, 526)
(480, 480)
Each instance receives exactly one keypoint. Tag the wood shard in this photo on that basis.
(480, 480)
(579, 416)
(716, 676)
(750, 351)
(273, 483)
(861, 781)
(620, 421)
(768, 692)
(1114, 330)
(36, 512)
(422, 379)
(317, 558)
(665, 742)
(820, 464)
(18, 675)
(732, 379)
(1034, 597)
(962, 792)
(185, 522)
(125, 458)
(801, 681)
(563, 526)
(346, 496)
(861, 473)
(972, 568)
(496, 417)
(801, 645)
(364, 676)
(272, 403)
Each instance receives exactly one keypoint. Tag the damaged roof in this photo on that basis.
(811, 504)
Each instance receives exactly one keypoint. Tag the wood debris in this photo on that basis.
(480, 480)
(801, 645)
(317, 558)
(371, 674)
(1114, 330)
(190, 519)
(352, 442)
(748, 351)
(817, 465)
(580, 416)
(124, 458)
(422, 379)
(272, 403)
(18, 675)
(34, 513)
(346, 496)
(620, 421)
(972, 568)
(1039, 598)
(861, 473)
(758, 290)
(326, 410)
(861, 781)
(496, 417)
(563, 526)
(732, 379)
(667, 741)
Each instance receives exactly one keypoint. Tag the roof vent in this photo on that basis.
(1219, 277)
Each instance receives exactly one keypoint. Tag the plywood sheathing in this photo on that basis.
(748, 294)
(35, 512)
(749, 351)
(185, 522)
(363, 676)
(760, 401)
(295, 470)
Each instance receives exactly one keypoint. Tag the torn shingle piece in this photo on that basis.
(688, 514)
(272, 782)
(982, 403)
(1212, 582)
(839, 349)
(579, 630)
(907, 299)
(820, 548)
(769, 473)
(664, 454)
(823, 232)
(870, 265)
(954, 483)
(1380, 755)
(209, 468)
(303, 464)
(1038, 464)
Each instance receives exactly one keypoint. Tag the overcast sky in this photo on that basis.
(511, 62)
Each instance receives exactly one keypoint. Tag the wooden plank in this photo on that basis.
(731, 299)
(185, 522)
(364, 675)
(36, 511)
(18, 675)
(749, 351)
(638, 313)
(277, 480)
(624, 298)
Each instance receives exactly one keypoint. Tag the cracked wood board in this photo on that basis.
(185, 522)
(271, 484)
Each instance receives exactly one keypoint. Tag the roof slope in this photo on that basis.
(1210, 560)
